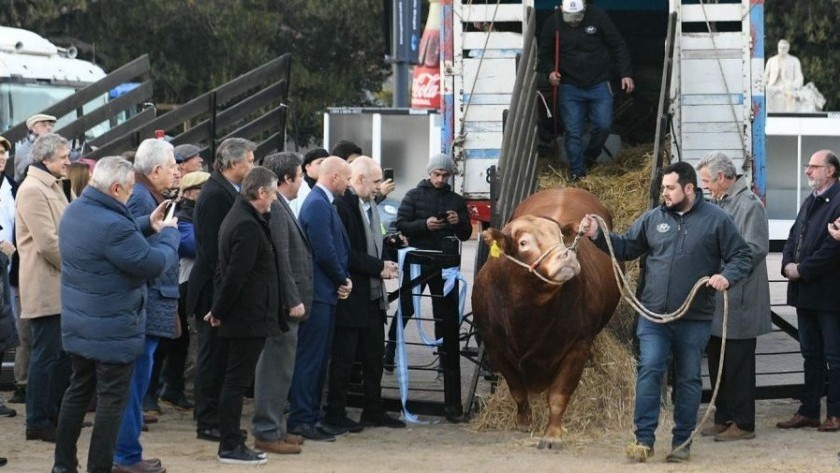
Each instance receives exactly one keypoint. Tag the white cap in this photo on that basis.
(572, 6)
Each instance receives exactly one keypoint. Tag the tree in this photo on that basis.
(337, 46)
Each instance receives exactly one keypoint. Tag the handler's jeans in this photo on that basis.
(685, 340)
(577, 105)
(819, 341)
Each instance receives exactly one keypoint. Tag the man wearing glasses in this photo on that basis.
(810, 261)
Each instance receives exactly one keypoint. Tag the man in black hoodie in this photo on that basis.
(427, 215)
(578, 46)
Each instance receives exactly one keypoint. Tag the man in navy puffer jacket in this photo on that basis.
(106, 261)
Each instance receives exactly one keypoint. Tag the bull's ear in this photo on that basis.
(494, 237)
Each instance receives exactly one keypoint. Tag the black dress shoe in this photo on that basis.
(381, 420)
(333, 430)
(178, 401)
(342, 423)
(310, 432)
(6, 411)
(47, 435)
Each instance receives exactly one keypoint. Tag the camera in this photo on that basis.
(393, 241)
(442, 216)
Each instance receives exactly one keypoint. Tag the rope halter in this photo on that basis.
(532, 268)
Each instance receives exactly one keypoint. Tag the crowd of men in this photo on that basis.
(284, 288)
(279, 269)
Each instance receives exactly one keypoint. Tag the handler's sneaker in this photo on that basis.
(638, 452)
(242, 455)
(679, 456)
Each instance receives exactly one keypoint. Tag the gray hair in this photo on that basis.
(257, 177)
(152, 152)
(109, 171)
(284, 165)
(46, 147)
(718, 162)
(232, 151)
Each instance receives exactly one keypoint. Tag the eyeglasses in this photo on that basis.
(814, 166)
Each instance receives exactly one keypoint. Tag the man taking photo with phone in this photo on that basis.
(427, 215)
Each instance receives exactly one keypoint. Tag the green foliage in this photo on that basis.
(337, 46)
(812, 30)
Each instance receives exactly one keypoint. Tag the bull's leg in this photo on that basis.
(518, 392)
(564, 384)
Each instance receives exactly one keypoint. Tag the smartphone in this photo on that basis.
(170, 210)
(388, 173)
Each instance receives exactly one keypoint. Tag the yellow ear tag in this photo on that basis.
(494, 250)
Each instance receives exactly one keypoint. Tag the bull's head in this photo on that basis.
(535, 243)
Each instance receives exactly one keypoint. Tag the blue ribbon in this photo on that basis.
(449, 275)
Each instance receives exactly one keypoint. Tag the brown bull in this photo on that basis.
(538, 305)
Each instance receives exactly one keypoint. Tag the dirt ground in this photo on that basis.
(454, 447)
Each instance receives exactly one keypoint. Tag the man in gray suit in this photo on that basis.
(277, 361)
(749, 303)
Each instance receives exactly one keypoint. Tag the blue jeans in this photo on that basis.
(49, 373)
(819, 341)
(685, 341)
(576, 105)
(128, 450)
(313, 353)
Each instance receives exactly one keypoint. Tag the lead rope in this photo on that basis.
(630, 298)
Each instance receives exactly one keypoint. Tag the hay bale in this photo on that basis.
(602, 403)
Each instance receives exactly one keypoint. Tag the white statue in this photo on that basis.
(783, 84)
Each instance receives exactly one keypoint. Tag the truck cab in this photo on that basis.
(35, 74)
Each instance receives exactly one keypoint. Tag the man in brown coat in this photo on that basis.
(41, 201)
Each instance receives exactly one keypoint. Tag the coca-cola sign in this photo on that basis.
(425, 88)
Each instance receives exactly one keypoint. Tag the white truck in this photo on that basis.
(35, 74)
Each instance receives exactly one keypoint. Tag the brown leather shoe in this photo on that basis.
(276, 446)
(713, 429)
(293, 439)
(831, 424)
(734, 433)
(798, 422)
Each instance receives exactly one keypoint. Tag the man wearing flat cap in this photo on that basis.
(427, 215)
(38, 124)
(188, 158)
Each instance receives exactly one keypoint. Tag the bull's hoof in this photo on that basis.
(549, 443)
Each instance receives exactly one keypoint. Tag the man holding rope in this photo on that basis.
(683, 240)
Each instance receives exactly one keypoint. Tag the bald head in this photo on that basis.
(365, 176)
(334, 174)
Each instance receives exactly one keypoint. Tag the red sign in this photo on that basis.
(425, 88)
